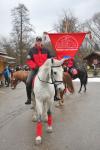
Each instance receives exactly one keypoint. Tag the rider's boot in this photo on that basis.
(28, 90)
(28, 102)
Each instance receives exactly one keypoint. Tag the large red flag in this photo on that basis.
(66, 44)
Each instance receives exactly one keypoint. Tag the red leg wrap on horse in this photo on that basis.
(39, 129)
(50, 120)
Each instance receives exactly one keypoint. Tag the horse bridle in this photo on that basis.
(52, 77)
(55, 82)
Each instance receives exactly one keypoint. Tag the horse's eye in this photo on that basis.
(55, 72)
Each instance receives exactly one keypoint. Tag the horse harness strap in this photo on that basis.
(44, 81)
(53, 80)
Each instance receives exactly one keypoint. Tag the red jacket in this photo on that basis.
(69, 63)
(37, 56)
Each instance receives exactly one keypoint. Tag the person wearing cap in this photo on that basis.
(70, 63)
(37, 55)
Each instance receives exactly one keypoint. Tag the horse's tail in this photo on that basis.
(68, 81)
(86, 77)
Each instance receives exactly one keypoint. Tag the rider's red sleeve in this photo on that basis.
(31, 64)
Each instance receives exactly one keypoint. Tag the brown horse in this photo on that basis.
(17, 77)
(68, 86)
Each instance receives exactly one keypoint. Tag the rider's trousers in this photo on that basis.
(29, 80)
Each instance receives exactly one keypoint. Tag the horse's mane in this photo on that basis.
(44, 70)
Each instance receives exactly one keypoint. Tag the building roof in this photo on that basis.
(93, 53)
(7, 57)
(2, 53)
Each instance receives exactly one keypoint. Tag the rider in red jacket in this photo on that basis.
(37, 55)
(70, 63)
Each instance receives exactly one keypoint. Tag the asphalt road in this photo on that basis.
(76, 126)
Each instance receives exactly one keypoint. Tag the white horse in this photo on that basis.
(50, 73)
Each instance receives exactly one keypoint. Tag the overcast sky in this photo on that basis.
(45, 13)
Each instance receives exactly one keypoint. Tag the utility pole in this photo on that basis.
(21, 47)
(65, 26)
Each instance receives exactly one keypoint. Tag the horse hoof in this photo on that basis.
(12, 88)
(57, 105)
(49, 129)
(61, 103)
(34, 119)
(38, 140)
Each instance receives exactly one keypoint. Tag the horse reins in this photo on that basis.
(52, 78)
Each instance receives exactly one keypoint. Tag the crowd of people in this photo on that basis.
(8, 73)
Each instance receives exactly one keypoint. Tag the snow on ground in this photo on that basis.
(91, 80)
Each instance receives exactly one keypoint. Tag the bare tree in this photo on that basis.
(7, 47)
(94, 26)
(22, 29)
(67, 23)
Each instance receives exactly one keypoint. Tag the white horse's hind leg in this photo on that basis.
(39, 108)
(34, 114)
(45, 116)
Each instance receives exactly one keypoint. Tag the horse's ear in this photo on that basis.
(57, 62)
(52, 61)
(62, 60)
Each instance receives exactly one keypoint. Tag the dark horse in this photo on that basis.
(82, 75)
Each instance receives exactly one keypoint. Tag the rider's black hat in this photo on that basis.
(38, 38)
